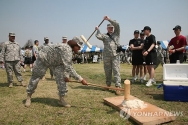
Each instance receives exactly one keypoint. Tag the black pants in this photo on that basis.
(176, 56)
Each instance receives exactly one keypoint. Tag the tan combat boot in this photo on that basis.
(118, 92)
(62, 102)
(22, 84)
(10, 85)
(28, 101)
(43, 78)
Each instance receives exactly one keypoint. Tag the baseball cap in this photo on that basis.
(110, 25)
(177, 27)
(12, 34)
(147, 28)
(64, 37)
(78, 41)
(136, 32)
(45, 38)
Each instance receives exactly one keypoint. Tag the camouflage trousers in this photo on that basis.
(39, 70)
(159, 60)
(13, 66)
(112, 64)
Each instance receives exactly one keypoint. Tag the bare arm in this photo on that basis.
(136, 48)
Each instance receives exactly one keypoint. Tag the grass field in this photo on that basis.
(87, 102)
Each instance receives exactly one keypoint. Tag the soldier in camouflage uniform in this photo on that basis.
(46, 39)
(58, 57)
(111, 57)
(160, 56)
(11, 57)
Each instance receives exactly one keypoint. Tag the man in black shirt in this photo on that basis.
(136, 45)
(150, 54)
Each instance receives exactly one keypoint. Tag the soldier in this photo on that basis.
(11, 57)
(46, 40)
(58, 57)
(160, 57)
(64, 39)
(111, 56)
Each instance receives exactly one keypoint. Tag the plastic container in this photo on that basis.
(175, 84)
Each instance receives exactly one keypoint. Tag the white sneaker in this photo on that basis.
(132, 81)
(153, 81)
(135, 78)
(149, 83)
(145, 77)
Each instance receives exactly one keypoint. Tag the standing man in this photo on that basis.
(60, 58)
(46, 43)
(150, 54)
(11, 57)
(110, 55)
(136, 45)
(179, 43)
(35, 50)
(64, 39)
(160, 56)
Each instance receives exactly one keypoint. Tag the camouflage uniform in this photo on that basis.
(11, 56)
(41, 47)
(160, 57)
(111, 57)
(58, 57)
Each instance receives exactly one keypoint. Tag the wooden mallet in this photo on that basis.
(86, 41)
(99, 86)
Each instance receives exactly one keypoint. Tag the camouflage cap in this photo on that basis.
(78, 41)
(110, 25)
(12, 34)
(64, 37)
(45, 38)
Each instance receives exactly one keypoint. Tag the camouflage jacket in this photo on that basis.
(11, 51)
(56, 55)
(109, 45)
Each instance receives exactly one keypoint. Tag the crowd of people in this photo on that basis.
(144, 52)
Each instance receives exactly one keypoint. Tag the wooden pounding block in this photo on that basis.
(115, 102)
(127, 89)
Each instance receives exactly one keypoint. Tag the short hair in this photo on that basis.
(36, 41)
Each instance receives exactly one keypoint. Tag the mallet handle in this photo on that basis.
(94, 85)
(95, 30)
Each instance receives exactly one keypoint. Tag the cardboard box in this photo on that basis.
(175, 84)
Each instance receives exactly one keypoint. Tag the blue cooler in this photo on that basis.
(175, 84)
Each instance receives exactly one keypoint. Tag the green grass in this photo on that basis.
(87, 102)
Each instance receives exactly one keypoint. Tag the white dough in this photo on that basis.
(134, 104)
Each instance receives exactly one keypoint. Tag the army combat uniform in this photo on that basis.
(51, 70)
(160, 56)
(58, 57)
(111, 57)
(11, 56)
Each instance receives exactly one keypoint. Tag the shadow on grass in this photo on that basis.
(3, 84)
(47, 101)
(156, 96)
(49, 79)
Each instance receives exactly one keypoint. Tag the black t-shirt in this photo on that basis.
(148, 42)
(136, 43)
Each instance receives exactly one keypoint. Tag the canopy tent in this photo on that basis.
(85, 48)
(125, 47)
(164, 44)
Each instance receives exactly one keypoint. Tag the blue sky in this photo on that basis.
(35, 19)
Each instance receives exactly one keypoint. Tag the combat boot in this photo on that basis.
(62, 102)
(22, 84)
(10, 85)
(43, 78)
(28, 101)
(118, 92)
